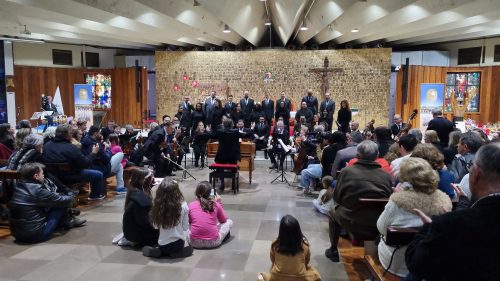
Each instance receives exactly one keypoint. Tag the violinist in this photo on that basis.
(159, 149)
(302, 123)
(280, 133)
(200, 139)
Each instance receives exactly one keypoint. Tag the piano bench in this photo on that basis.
(225, 171)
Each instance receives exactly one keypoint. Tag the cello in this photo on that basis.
(407, 126)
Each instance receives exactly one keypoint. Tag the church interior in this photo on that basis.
(247, 139)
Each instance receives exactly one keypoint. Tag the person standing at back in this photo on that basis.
(311, 101)
(268, 108)
(209, 107)
(247, 105)
(441, 125)
(329, 105)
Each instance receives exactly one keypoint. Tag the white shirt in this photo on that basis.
(395, 166)
(175, 233)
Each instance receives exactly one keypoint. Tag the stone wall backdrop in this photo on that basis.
(363, 81)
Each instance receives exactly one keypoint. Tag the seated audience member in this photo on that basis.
(419, 191)
(468, 144)
(406, 145)
(24, 124)
(49, 134)
(290, 255)
(137, 228)
(261, 133)
(20, 135)
(417, 134)
(31, 151)
(104, 161)
(432, 138)
(431, 154)
(115, 148)
(393, 153)
(473, 231)
(7, 136)
(82, 125)
(73, 123)
(38, 210)
(363, 180)
(210, 226)
(384, 140)
(386, 167)
(76, 138)
(451, 150)
(170, 214)
(324, 202)
(279, 133)
(106, 131)
(481, 134)
(60, 150)
(346, 154)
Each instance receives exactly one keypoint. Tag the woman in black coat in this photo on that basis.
(7, 135)
(344, 117)
(237, 114)
(197, 116)
(137, 227)
(283, 112)
(217, 114)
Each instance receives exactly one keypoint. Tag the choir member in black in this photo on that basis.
(287, 102)
(240, 125)
(209, 108)
(344, 116)
(217, 114)
(228, 151)
(159, 148)
(326, 118)
(256, 114)
(237, 114)
(200, 139)
(311, 101)
(247, 105)
(261, 133)
(230, 106)
(268, 108)
(283, 112)
(279, 133)
(197, 116)
(304, 111)
(327, 105)
(186, 113)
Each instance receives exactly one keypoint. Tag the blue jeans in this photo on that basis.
(96, 179)
(312, 172)
(53, 220)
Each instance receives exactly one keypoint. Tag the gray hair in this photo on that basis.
(368, 150)
(319, 128)
(280, 123)
(487, 159)
(128, 127)
(153, 125)
(417, 133)
(437, 111)
(472, 140)
(50, 132)
(32, 140)
(357, 138)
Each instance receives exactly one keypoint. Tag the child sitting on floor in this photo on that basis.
(290, 255)
(324, 202)
(170, 214)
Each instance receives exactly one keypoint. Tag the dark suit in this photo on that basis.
(208, 108)
(395, 129)
(282, 113)
(261, 130)
(307, 113)
(443, 128)
(187, 111)
(288, 104)
(312, 103)
(153, 151)
(330, 107)
(229, 108)
(277, 149)
(460, 245)
(268, 108)
(247, 108)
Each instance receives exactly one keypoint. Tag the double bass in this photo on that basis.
(407, 126)
(301, 157)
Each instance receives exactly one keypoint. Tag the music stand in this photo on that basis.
(281, 177)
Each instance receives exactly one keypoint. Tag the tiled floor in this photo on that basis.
(86, 253)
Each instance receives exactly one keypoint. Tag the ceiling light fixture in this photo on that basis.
(304, 27)
(355, 30)
(196, 3)
(268, 22)
(26, 31)
(26, 40)
(330, 27)
(226, 29)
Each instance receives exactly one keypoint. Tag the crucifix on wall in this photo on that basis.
(324, 74)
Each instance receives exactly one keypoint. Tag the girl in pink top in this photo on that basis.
(209, 224)
(115, 148)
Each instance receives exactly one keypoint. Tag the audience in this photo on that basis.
(37, 210)
(49, 134)
(60, 150)
(169, 214)
(210, 226)
(393, 153)
(451, 150)
(324, 202)
(364, 179)
(76, 137)
(432, 138)
(7, 136)
(406, 145)
(20, 135)
(418, 191)
(31, 151)
(468, 144)
(383, 137)
(417, 134)
(432, 155)
(137, 227)
(290, 255)
(346, 154)
(463, 245)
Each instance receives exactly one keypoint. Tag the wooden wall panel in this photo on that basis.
(490, 90)
(31, 82)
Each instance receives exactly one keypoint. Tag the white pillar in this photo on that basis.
(9, 70)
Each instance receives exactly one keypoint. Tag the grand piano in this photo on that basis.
(247, 151)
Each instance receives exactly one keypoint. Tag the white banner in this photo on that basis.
(58, 102)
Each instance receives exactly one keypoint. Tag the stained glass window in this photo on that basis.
(463, 87)
(101, 89)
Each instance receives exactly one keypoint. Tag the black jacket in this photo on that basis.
(101, 161)
(287, 102)
(395, 130)
(328, 156)
(268, 109)
(461, 245)
(105, 132)
(30, 205)
(261, 130)
(443, 128)
(255, 116)
(217, 116)
(228, 151)
(312, 103)
(228, 108)
(186, 115)
(306, 112)
(196, 117)
(152, 145)
(344, 116)
(136, 225)
(62, 151)
(282, 113)
(247, 108)
(235, 116)
(330, 107)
